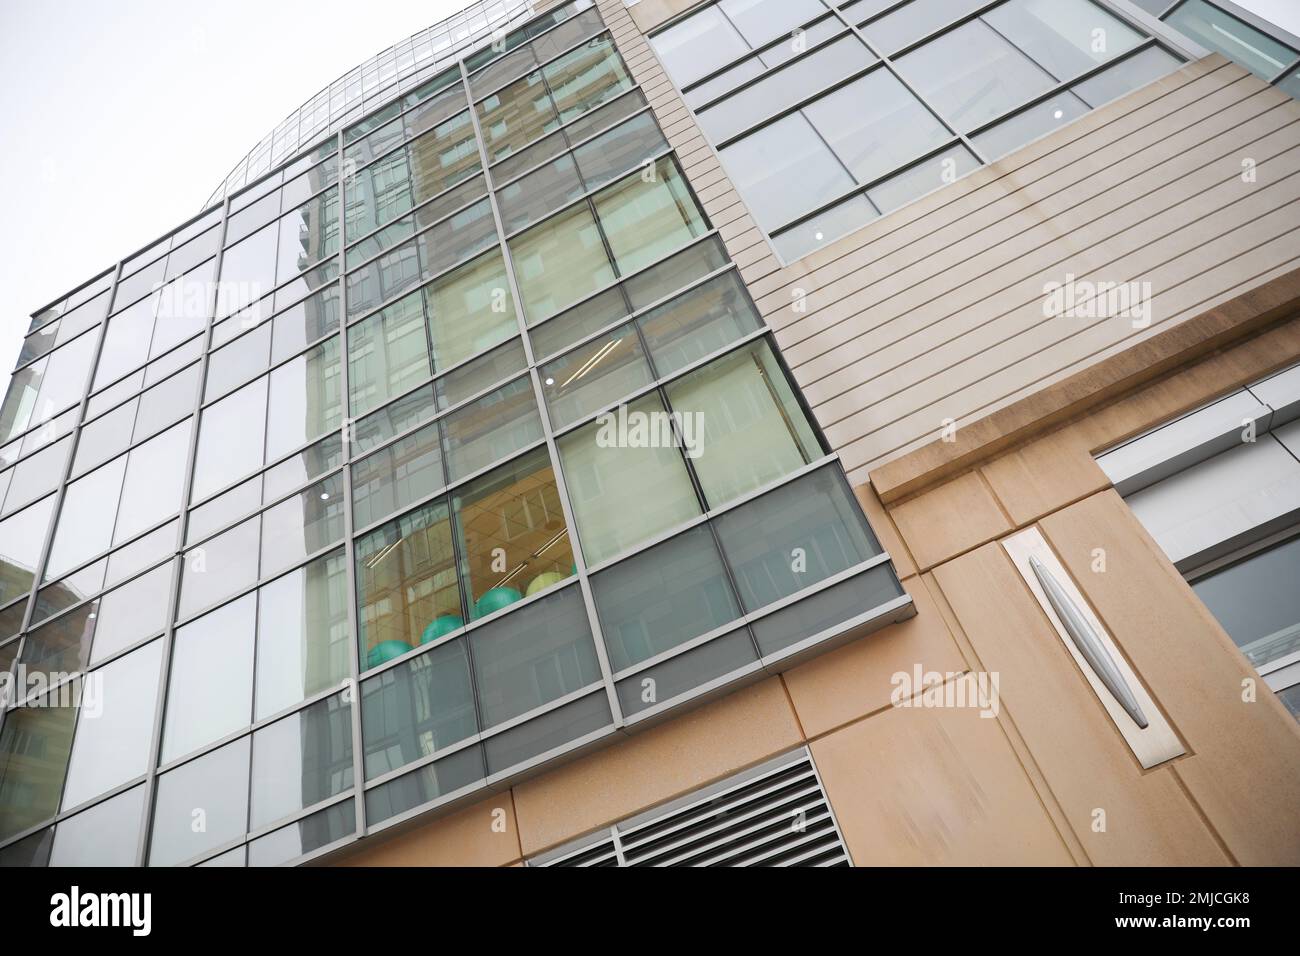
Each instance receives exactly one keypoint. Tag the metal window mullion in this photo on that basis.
(575, 545)
(351, 581)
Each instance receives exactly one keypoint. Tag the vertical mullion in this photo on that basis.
(351, 581)
(539, 397)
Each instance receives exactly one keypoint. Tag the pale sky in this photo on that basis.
(121, 116)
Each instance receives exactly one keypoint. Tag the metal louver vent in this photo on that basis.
(775, 814)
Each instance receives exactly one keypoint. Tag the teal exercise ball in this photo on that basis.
(441, 626)
(495, 599)
(544, 581)
(385, 651)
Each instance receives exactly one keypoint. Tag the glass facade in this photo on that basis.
(829, 115)
(451, 446)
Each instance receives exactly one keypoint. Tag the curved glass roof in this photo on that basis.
(367, 86)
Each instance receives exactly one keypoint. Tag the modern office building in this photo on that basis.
(695, 432)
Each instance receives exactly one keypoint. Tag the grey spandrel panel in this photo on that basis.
(115, 726)
(548, 732)
(417, 708)
(686, 672)
(426, 784)
(533, 656)
(311, 833)
(663, 597)
(827, 610)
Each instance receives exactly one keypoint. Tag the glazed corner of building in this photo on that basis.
(976, 441)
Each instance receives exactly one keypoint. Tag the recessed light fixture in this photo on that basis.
(1059, 113)
(324, 496)
(550, 381)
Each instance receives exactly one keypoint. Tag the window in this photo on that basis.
(560, 261)
(210, 690)
(528, 659)
(35, 743)
(108, 834)
(417, 708)
(387, 353)
(1224, 33)
(626, 478)
(300, 760)
(644, 221)
(218, 783)
(663, 597)
(511, 534)
(1257, 603)
(754, 430)
(814, 518)
(302, 635)
(113, 736)
(407, 587)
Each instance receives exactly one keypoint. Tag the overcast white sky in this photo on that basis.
(121, 116)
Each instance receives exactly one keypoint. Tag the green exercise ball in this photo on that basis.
(385, 651)
(440, 626)
(494, 599)
(543, 581)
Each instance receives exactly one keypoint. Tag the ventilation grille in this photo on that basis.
(773, 815)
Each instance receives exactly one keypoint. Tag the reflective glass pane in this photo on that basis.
(231, 437)
(490, 428)
(303, 637)
(814, 517)
(210, 691)
(21, 538)
(86, 519)
(559, 262)
(1029, 124)
(1217, 30)
(971, 74)
(594, 375)
(153, 486)
(663, 597)
(302, 525)
(387, 353)
(698, 323)
(219, 567)
(35, 743)
(108, 834)
(644, 221)
(752, 428)
(626, 478)
(1127, 75)
(698, 45)
(1064, 37)
(310, 833)
(1257, 602)
(470, 310)
(532, 657)
(764, 163)
(397, 476)
(417, 708)
(301, 760)
(305, 399)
